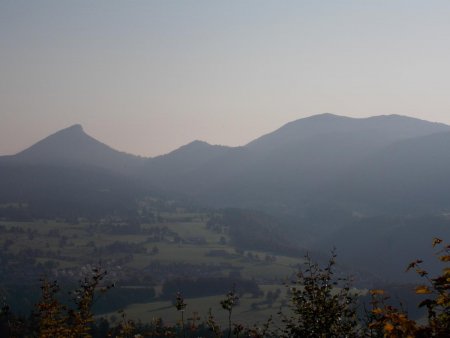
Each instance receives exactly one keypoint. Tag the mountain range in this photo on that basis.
(368, 165)
(322, 176)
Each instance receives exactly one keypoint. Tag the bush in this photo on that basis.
(321, 305)
(389, 321)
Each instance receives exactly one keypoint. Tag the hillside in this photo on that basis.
(301, 163)
(409, 176)
(373, 165)
(73, 147)
(321, 178)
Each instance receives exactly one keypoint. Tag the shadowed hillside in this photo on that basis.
(321, 177)
(73, 147)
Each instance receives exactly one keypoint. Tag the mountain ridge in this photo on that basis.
(323, 177)
(284, 167)
(77, 129)
(303, 128)
(73, 146)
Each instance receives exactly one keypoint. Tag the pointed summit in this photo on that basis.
(195, 145)
(67, 143)
(196, 150)
(75, 127)
(72, 146)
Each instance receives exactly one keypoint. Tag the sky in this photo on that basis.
(147, 77)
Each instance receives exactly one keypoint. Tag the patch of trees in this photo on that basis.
(119, 297)
(253, 230)
(221, 253)
(208, 286)
(46, 192)
(319, 305)
(164, 271)
(121, 247)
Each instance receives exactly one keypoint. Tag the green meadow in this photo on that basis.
(130, 254)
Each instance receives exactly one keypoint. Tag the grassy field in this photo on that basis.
(63, 246)
(249, 311)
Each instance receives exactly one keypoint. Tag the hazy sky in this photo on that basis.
(149, 76)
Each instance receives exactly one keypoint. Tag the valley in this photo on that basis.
(204, 219)
(148, 263)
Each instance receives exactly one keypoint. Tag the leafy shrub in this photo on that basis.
(389, 321)
(321, 305)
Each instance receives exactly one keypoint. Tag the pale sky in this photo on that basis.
(149, 76)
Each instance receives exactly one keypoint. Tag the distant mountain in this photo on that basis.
(385, 245)
(328, 179)
(407, 176)
(38, 191)
(191, 168)
(69, 174)
(183, 160)
(73, 147)
(320, 160)
(384, 128)
(291, 167)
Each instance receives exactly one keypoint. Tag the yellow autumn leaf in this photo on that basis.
(445, 258)
(377, 292)
(441, 300)
(422, 290)
(377, 311)
(388, 327)
(402, 317)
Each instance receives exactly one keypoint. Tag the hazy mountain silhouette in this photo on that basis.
(407, 176)
(294, 165)
(70, 174)
(328, 179)
(192, 168)
(188, 158)
(305, 161)
(49, 191)
(386, 128)
(73, 147)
